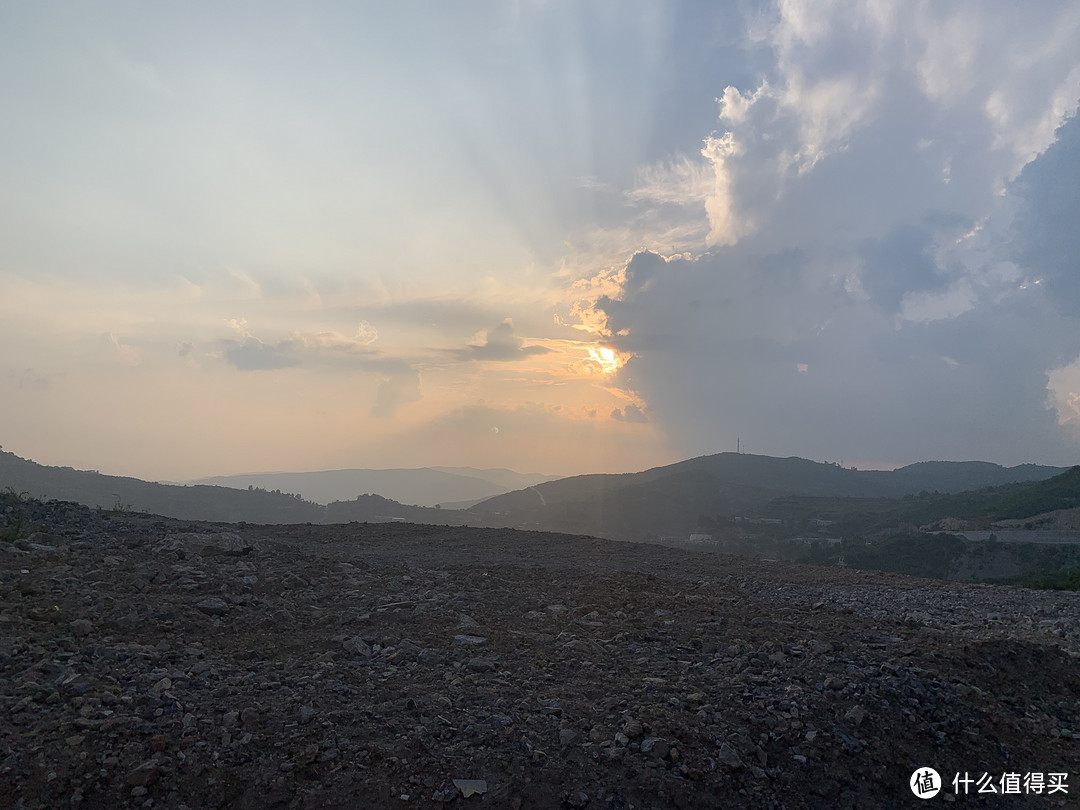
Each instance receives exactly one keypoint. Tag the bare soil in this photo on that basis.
(148, 662)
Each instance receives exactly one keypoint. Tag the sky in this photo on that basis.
(561, 237)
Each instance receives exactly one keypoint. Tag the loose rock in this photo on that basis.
(206, 665)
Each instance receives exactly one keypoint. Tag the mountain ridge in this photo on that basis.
(671, 499)
(659, 500)
(91, 488)
(422, 486)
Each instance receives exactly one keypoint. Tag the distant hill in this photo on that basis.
(259, 504)
(186, 502)
(972, 509)
(377, 509)
(962, 476)
(1060, 492)
(425, 486)
(507, 479)
(671, 500)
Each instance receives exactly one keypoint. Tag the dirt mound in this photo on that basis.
(147, 662)
(1065, 519)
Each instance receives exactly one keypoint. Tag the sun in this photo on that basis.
(608, 359)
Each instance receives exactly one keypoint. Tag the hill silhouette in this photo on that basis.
(91, 488)
(672, 500)
(1060, 492)
(669, 500)
(426, 486)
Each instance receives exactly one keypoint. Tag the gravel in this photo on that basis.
(147, 662)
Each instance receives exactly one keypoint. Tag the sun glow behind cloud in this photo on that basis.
(608, 360)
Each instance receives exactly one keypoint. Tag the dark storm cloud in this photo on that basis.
(878, 287)
(1047, 229)
(900, 263)
(770, 349)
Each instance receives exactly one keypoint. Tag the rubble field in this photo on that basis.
(150, 662)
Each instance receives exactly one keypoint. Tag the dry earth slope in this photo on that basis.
(148, 662)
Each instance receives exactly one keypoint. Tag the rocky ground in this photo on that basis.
(147, 662)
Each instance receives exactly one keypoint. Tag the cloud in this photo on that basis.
(721, 346)
(680, 181)
(726, 226)
(251, 354)
(398, 382)
(28, 379)
(299, 348)
(849, 91)
(1069, 415)
(127, 353)
(883, 194)
(245, 285)
(868, 220)
(629, 413)
(899, 264)
(499, 344)
(366, 335)
(1047, 240)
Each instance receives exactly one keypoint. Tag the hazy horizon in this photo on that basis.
(551, 237)
(860, 466)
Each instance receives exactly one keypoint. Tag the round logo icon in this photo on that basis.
(925, 783)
